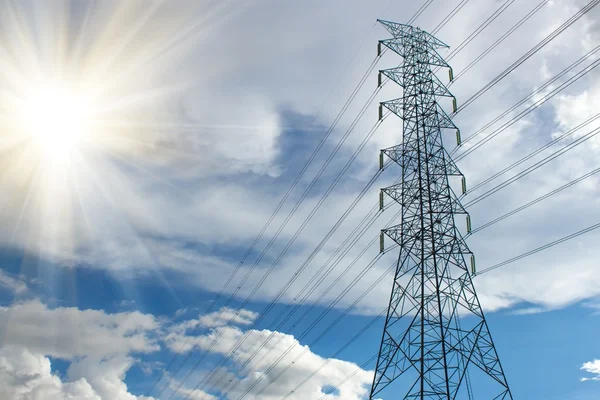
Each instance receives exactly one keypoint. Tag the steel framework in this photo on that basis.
(436, 343)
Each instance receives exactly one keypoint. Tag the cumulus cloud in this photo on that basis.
(25, 375)
(67, 332)
(593, 367)
(102, 347)
(98, 345)
(270, 365)
(106, 376)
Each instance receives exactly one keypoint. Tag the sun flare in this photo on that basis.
(57, 119)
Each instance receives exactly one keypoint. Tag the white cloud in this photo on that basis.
(254, 369)
(98, 346)
(227, 316)
(101, 348)
(15, 285)
(27, 376)
(68, 332)
(593, 367)
(106, 376)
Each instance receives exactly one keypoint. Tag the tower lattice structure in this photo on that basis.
(436, 342)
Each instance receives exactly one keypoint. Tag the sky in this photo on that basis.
(145, 145)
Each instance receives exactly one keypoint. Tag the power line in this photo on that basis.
(536, 152)
(541, 248)
(546, 85)
(419, 11)
(328, 271)
(448, 17)
(537, 200)
(282, 201)
(534, 167)
(479, 29)
(324, 293)
(305, 222)
(529, 109)
(344, 248)
(278, 208)
(500, 40)
(288, 313)
(334, 322)
(531, 52)
(338, 352)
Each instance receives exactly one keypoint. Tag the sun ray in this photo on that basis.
(88, 107)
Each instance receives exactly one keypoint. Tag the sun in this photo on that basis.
(57, 119)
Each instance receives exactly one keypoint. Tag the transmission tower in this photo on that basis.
(436, 343)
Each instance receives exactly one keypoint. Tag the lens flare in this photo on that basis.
(57, 119)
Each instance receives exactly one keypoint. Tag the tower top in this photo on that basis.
(403, 31)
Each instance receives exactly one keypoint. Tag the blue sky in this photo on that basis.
(146, 144)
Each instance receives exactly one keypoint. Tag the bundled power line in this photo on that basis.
(534, 167)
(536, 104)
(448, 17)
(541, 248)
(529, 156)
(537, 200)
(503, 7)
(491, 47)
(531, 52)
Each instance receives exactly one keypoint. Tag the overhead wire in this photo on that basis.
(333, 388)
(358, 232)
(286, 312)
(537, 200)
(528, 110)
(544, 147)
(334, 322)
(305, 222)
(583, 11)
(489, 49)
(535, 152)
(534, 167)
(448, 17)
(503, 7)
(539, 90)
(541, 248)
(419, 12)
(296, 206)
(280, 205)
(322, 295)
(365, 270)
(502, 10)
(337, 353)
(531, 13)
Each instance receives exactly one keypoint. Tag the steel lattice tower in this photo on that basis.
(436, 343)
